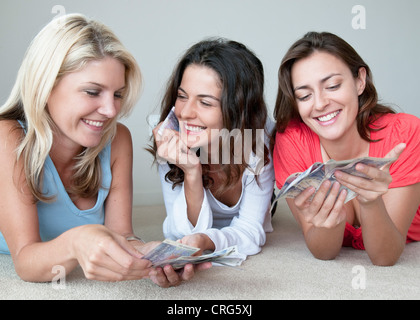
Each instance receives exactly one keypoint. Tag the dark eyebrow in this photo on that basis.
(322, 81)
(202, 95)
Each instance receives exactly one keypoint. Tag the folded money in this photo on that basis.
(316, 174)
(169, 249)
(227, 257)
(170, 122)
(178, 255)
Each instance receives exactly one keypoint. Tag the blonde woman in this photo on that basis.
(66, 179)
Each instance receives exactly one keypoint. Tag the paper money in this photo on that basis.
(316, 174)
(170, 122)
(228, 257)
(178, 255)
(169, 249)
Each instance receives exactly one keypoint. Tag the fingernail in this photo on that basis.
(360, 166)
(311, 190)
(327, 183)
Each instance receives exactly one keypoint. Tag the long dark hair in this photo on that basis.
(241, 76)
(286, 108)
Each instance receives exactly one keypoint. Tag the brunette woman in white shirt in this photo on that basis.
(217, 191)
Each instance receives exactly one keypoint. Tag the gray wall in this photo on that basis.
(157, 32)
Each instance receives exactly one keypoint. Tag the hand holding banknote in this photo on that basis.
(172, 144)
(321, 191)
(166, 276)
(318, 173)
(178, 255)
(170, 256)
(371, 181)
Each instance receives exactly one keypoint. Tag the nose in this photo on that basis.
(109, 107)
(188, 110)
(320, 100)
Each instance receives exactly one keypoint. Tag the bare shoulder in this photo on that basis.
(11, 134)
(122, 130)
(10, 126)
(12, 174)
(122, 143)
(122, 137)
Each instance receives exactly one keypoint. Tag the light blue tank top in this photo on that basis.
(61, 215)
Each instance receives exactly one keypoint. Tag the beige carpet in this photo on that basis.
(284, 269)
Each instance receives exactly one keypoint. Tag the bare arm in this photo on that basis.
(385, 214)
(322, 219)
(386, 222)
(118, 209)
(91, 245)
(172, 149)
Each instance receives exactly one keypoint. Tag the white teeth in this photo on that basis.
(94, 123)
(328, 116)
(194, 128)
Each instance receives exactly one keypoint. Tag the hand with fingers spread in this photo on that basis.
(322, 217)
(325, 210)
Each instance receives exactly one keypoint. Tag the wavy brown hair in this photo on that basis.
(286, 107)
(241, 76)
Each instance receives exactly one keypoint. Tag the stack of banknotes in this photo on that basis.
(319, 172)
(178, 255)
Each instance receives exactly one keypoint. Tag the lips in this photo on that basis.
(328, 116)
(97, 124)
(194, 128)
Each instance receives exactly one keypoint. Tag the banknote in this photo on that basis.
(319, 172)
(170, 122)
(228, 257)
(178, 255)
(169, 249)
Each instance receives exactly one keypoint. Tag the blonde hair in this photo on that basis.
(63, 46)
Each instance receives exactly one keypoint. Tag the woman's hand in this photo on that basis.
(144, 247)
(322, 216)
(107, 256)
(171, 148)
(168, 277)
(370, 190)
(198, 240)
(325, 210)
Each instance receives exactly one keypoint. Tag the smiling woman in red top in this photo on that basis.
(327, 108)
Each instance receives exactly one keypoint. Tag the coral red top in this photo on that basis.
(299, 147)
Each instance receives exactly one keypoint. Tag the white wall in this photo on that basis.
(158, 31)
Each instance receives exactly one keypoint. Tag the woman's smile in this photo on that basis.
(329, 118)
(194, 129)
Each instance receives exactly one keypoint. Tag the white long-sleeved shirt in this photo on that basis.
(244, 224)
